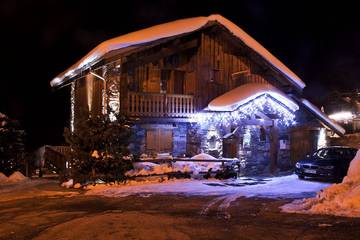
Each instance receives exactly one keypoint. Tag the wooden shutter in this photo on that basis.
(152, 140)
(159, 140)
(165, 140)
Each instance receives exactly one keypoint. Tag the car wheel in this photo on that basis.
(301, 177)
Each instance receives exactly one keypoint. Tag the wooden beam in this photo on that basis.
(164, 52)
(274, 147)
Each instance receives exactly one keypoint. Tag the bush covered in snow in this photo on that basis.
(341, 199)
(100, 148)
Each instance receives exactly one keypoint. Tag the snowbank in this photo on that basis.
(17, 177)
(149, 168)
(203, 156)
(3, 178)
(341, 199)
(68, 184)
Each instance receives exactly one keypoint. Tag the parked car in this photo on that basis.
(330, 163)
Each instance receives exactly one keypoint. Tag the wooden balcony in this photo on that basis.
(160, 105)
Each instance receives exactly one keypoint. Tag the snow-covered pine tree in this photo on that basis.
(100, 148)
(12, 147)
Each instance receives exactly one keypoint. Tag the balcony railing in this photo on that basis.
(160, 105)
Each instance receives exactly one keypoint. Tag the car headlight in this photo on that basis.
(327, 167)
(297, 165)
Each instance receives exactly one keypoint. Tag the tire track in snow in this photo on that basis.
(221, 204)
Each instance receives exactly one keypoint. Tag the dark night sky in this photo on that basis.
(41, 38)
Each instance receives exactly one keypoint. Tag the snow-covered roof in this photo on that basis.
(323, 117)
(231, 100)
(169, 30)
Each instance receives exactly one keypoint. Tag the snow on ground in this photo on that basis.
(203, 156)
(286, 186)
(13, 178)
(32, 188)
(3, 178)
(20, 187)
(225, 192)
(341, 199)
(17, 177)
(149, 168)
(68, 184)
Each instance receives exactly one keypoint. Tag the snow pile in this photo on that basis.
(149, 168)
(203, 156)
(341, 199)
(68, 184)
(3, 178)
(197, 167)
(17, 177)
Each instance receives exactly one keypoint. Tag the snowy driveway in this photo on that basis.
(225, 193)
(169, 210)
(276, 187)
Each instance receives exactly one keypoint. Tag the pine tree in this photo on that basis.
(100, 148)
(12, 148)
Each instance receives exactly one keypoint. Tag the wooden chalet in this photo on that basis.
(199, 84)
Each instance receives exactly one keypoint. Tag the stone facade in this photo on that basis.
(252, 144)
(179, 139)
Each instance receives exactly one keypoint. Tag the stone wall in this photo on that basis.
(138, 142)
(179, 139)
(137, 145)
(253, 144)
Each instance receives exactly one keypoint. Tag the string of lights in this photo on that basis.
(264, 103)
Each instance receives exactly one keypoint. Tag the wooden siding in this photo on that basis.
(203, 65)
(88, 99)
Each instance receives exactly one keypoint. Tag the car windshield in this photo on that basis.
(331, 153)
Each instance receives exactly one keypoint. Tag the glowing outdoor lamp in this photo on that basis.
(342, 116)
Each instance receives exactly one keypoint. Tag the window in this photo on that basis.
(159, 140)
(164, 78)
(179, 82)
